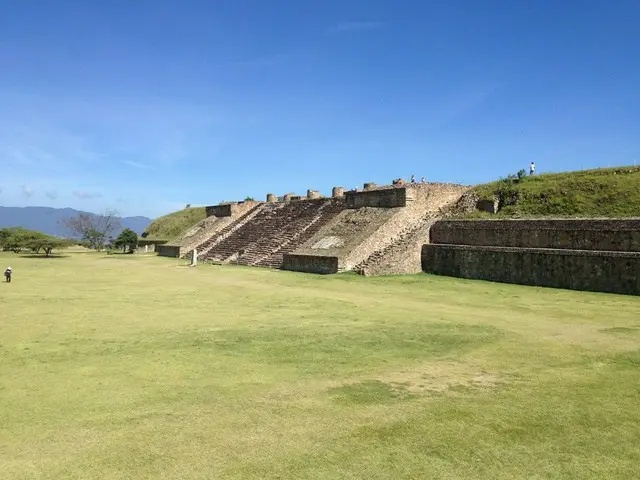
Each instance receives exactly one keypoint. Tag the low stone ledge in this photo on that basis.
(168, 251)
(589, 270)
(310, 263)
(575, 234)
(377, 198)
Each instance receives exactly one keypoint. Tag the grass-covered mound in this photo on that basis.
(174, 224)
(607, 192)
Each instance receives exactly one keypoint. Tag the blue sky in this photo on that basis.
(145, 106)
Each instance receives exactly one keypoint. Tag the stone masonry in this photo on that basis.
(595, 255)
(350, 229)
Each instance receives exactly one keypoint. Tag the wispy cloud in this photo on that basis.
(265, 61)
(295, 55)
(84, 195)
(139, 165)
(27, 191)
(52, 195)
(70, 136)
(359, 26)
(38, 156)
(460, 102)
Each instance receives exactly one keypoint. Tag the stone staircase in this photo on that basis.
(327, 212)
(403, 241)
(229, 230)
(273, 231)
(283, 227)
(258, 238)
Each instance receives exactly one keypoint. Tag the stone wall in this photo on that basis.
(325, 235)
(612, 234)
(168, 251)
(310, 263)
(144, 242)
(224, 210)
(613, 272)
(427, 199)
(358, 234)
(346, 234)
(402, 257)
(383, 198)
(229, 209)
(208, 227)
(597, 255)
(267, 233)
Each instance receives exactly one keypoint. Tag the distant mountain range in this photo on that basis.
(49, 220)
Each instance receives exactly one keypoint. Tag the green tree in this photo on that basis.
(16, 239)
(46, 243)
(128, 238)
(5, 233)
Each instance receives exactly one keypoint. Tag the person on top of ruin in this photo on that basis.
(413, 179)
(422, 180)
(7, 274)
(532, 168)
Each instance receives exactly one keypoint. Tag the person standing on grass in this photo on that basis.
(7, 274)
(532, 168)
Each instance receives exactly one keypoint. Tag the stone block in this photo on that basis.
(310, 263)
(599, 271)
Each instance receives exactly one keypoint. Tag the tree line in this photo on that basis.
(17, 239)
(94, 232)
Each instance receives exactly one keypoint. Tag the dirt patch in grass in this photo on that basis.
(440, 377)
(423, 380)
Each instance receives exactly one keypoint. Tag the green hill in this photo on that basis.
(607, 192)
(174, 224)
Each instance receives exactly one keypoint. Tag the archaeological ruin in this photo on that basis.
(352, 230)
(400, 229)
(580, 254)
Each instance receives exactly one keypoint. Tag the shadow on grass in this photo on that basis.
(50, 257)
(117, 255)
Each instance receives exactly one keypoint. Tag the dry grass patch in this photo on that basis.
(443, 377)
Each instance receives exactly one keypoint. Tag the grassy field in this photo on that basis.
(138, 367)
(604, 192)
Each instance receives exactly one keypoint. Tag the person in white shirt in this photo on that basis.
(532, 168)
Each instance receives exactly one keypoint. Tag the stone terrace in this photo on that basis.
(359, 227)
(275, 229)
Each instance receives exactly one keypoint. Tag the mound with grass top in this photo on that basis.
(606, 193)
(173, 225)
(598, 193)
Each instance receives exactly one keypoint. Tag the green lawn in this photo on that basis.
(603, 192)
(138, 367)
(170, 226)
